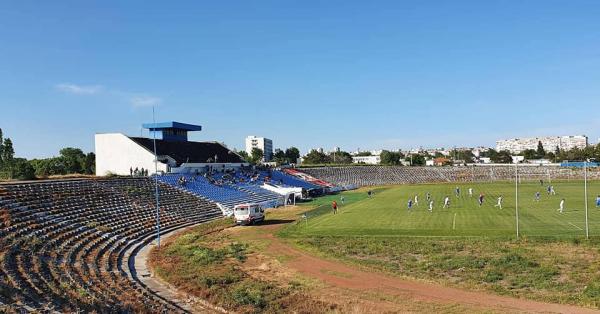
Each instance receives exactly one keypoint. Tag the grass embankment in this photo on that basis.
(209, 265)
(381, 234)
(553, 271)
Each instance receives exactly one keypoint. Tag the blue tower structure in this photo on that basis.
(171, 131)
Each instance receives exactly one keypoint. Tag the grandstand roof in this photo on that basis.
(190, 152)
(172, 125)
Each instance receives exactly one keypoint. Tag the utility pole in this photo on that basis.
(517, 197)
(156, 181)
(587, 227)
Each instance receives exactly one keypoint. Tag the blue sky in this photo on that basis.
(368, 74)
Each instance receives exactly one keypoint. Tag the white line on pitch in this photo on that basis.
(454, 222)
(574, 225)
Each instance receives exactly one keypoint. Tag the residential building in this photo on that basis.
(262, 143)
(550, 143)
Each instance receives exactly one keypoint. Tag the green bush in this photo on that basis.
(238, 251)
(493, 276)
(515, 261)
(251, 293)
(592, 290)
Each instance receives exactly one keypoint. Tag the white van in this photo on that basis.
(247, 214)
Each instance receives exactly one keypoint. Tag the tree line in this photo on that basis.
(558, 155)
(70, 161)
(393, 158)
(288, 156)
(389, 158)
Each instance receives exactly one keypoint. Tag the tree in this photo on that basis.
(466, 155)
(292, 154)
(89, 163)
(74, 159)
(390, 158)
(21, 169)
(48, 166)
(8, 152)
(244, 155)
(490, 153)
(540, 150)
(418, 160)
(597, 152)
(315, 157)
(341, 157)
(363, 154)
(530, 154)
(256, 155)
(279, 156)
(1, 147)
(502, 157)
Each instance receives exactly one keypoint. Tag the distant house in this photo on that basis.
(371, 160)
(441, 161)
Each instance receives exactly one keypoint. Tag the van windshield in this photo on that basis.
(241, 211)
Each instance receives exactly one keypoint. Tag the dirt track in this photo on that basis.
(340, 275)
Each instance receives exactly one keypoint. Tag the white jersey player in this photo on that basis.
(446, 202)
(499, 204)
(562, 206)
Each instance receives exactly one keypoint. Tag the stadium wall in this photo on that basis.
(117, 153)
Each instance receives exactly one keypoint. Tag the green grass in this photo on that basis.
(466, 245)
(386, 213)
(550, 270)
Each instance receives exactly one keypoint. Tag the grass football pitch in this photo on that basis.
(387, 214)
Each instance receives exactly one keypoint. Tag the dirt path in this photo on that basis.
(340, 275)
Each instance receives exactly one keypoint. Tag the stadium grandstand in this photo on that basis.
(206, 169)
(69, 245)
(386, 175)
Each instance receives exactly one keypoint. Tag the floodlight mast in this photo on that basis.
(517, 197)
(585, 189)
(156, 181)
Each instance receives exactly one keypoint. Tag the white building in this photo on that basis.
(550, 143)
(264, 144)
(119, 154)
(517, 159)
(371, 160)
(478, 150)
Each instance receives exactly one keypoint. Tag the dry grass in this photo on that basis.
(546, 270)
(208, 265)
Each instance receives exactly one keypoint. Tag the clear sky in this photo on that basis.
(368, 74)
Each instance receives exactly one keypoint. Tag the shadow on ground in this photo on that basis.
(276, 222)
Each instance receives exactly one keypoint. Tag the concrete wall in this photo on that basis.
(117, 153)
